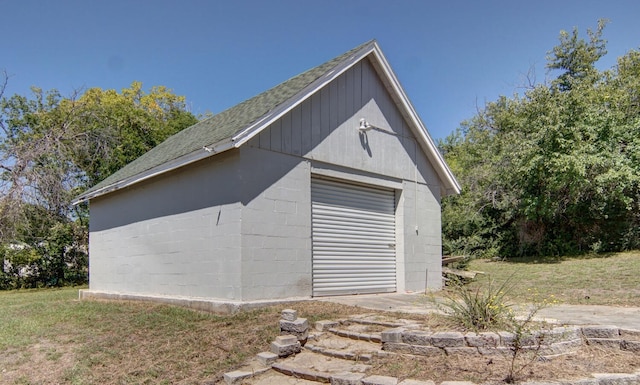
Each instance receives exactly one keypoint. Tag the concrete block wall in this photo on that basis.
(276, 228)
(421, 237)
(165, 256)
(154, 239)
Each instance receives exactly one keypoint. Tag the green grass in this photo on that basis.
(49, 336)
(610, 279)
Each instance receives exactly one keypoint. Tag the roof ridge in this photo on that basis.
(336, 59)
(222, 126)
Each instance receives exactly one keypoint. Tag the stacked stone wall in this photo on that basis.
(554, 341)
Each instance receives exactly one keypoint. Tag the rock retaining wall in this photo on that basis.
(558, 340)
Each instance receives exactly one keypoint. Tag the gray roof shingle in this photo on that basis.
(224, 125)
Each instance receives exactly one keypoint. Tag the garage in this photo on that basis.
(326, 184)
(354, 238)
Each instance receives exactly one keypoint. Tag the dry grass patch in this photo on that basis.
(603, 279)
(35, 364)
(494, 369)
(49, 337)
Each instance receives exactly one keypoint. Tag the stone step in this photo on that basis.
(249, 369)
(354, 335)
(316, 367)
(333, 345)
(362, 328)
(276, 378)
(292, 374)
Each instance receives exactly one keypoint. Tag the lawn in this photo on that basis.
(609, 279)
(49, 337)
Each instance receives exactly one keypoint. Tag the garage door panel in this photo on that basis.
(353, 239)
(352, 216)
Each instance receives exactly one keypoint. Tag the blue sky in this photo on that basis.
(450, 56)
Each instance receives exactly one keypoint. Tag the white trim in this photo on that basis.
(194, 156)
(254, 129)
(322, 173)
(389, 79)
(443, 170)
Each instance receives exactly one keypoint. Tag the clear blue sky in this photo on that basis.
(450, 56)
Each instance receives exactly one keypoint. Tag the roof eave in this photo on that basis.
(194, 156)
(252, 130)
(451, 185)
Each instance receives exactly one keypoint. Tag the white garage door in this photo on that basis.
(353, 239)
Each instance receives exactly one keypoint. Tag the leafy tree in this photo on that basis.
(576, 57)
(554, 170)
(119, 127)
(51, 149)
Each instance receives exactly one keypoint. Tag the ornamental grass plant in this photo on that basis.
(481, 308)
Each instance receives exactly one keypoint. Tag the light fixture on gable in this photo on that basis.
(364, 125)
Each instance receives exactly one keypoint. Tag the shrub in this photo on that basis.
(479, 309)
(488, 308)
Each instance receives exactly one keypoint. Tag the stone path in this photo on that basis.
(339, 352)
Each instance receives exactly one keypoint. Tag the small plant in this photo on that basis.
(489, 308)
(526, 343)
(479, 309)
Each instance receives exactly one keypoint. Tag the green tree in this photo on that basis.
(576, 57)
(51, 149)
(117, 128)
(554, 170)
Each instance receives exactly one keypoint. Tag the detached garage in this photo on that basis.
(327, 184)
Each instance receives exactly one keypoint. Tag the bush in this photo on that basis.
(57, 260)
(479, 309)
(488, 308)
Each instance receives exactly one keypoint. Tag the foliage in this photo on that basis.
(59, 259)
(480, 309)
(488, 307)
(527, 342)
(51, 149)
(119, 127)
(576, 57)
(554, 170)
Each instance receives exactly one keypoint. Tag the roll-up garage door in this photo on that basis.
(353, 239)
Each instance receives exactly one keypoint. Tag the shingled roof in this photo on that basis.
(233, 127)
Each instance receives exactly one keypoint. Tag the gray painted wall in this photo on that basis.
(237, 226)
(174, 235)
(276, 227)
(324, 130)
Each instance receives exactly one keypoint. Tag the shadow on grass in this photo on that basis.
(556, 259)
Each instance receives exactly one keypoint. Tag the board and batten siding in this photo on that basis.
(322, 132)
(324, 128)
